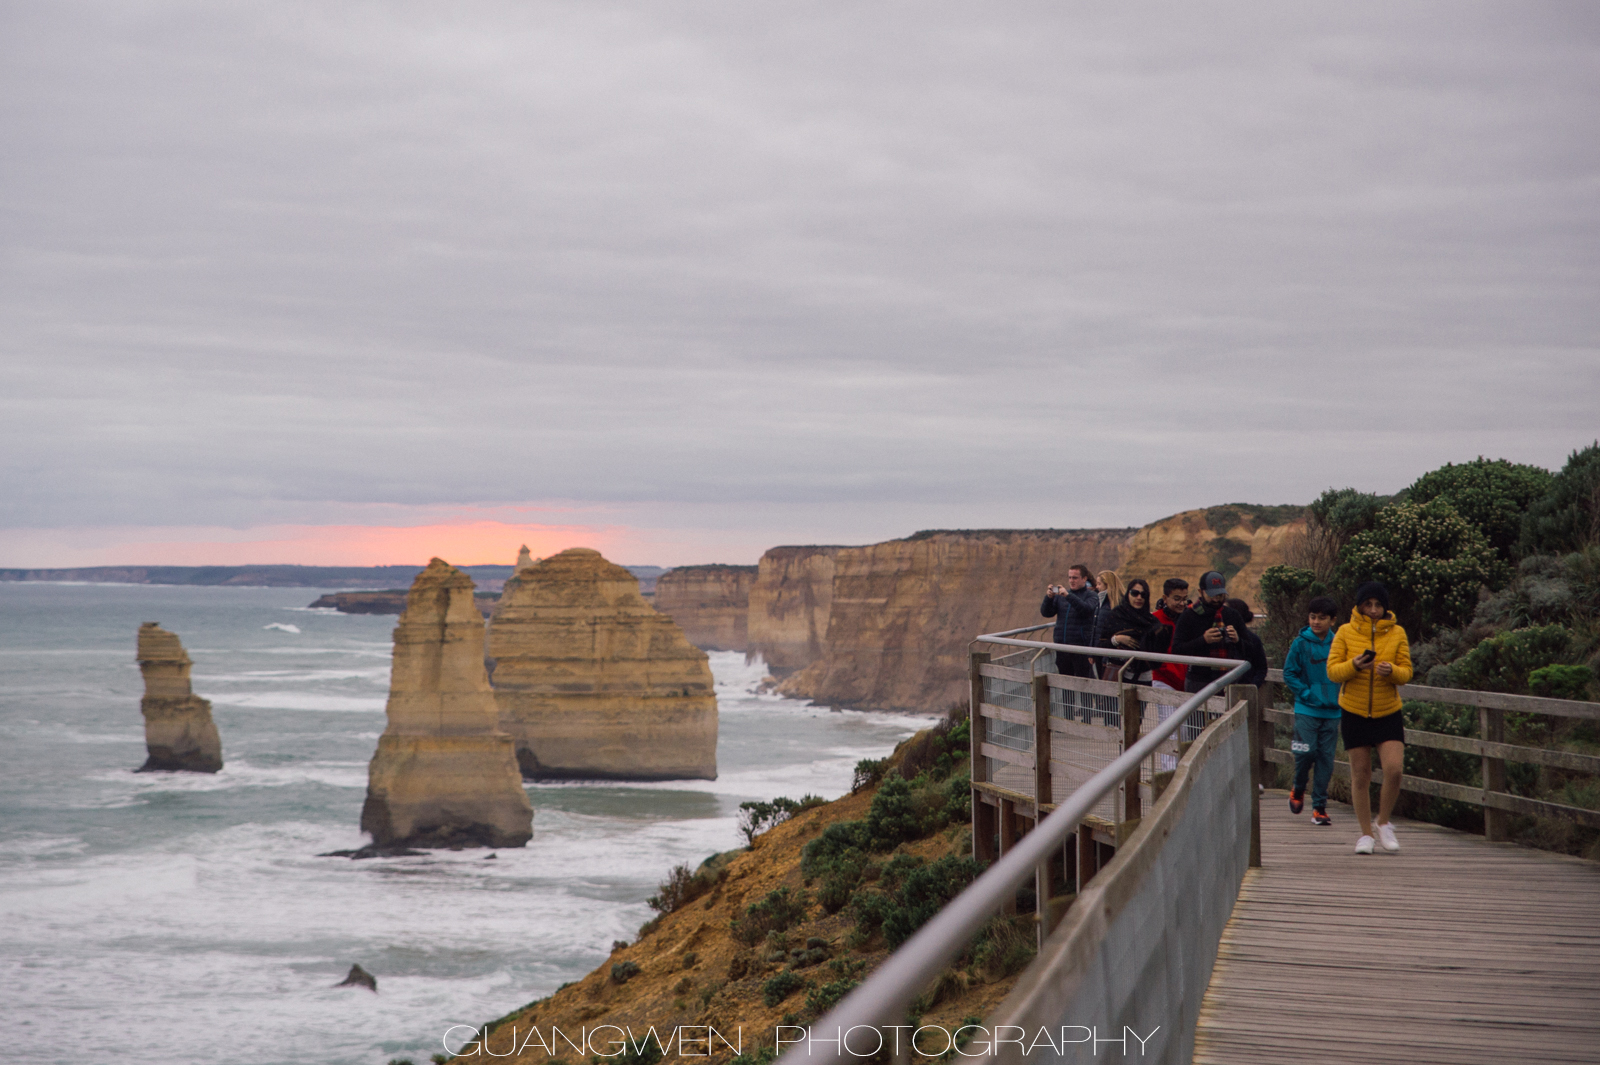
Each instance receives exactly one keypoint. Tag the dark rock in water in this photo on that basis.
(490, 857)
(372, 850)
(359, 977)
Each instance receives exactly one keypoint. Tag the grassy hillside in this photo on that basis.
(779, 932)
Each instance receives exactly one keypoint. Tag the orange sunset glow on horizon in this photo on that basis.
(464, 543)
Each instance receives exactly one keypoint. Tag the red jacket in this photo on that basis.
(1166, 672)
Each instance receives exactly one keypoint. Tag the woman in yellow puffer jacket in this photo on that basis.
(1369, 659)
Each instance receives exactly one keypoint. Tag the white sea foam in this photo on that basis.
(283, 627)
(302, 700)
(147, 899)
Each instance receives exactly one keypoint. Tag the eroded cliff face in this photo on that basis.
(1239, 540)
(790, 604)
(444, 774)
(903, 612)
(711, 604)
(592, 682)
(179, 735)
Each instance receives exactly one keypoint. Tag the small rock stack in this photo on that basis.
(179, 734)
(444, 775)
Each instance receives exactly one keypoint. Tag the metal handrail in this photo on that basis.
(882, 999)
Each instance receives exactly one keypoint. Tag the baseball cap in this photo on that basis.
(1213, 583)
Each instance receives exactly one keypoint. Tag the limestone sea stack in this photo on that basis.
(178, 731)
(444, 774)
(593, 682)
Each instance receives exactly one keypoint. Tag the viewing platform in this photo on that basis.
(1177, 899)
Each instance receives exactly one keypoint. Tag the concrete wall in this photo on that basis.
(1134, 954)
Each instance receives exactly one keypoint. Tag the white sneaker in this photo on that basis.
(1386, 837)
(1364, 845)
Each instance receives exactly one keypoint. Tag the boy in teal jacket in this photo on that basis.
(1316, 709)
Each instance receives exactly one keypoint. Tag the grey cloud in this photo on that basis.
(1047, 264)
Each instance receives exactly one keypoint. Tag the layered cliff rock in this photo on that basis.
(711, 604)
(903, 612)
(790, 603)
(593, 682)
(444, 775)
(1240, 540)
(179, 735)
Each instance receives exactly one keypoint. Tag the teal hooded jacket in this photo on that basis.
(1305, 672)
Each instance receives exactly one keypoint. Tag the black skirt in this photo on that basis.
(1361, 731)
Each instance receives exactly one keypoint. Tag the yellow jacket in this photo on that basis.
(1364, 692)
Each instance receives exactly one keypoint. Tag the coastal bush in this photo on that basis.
(1431, 559)
(868, 772)
(645, 1053)
(777, 912)
(1503, 662)
(756, 817)
(820, 1000)
(1492, 494)
(689, 959)
(911, 891)
(1003, 947)
(681, 887)
(623, 971)
(764, 1056)
(781, 987)
(1567, 517)
(1561, 682)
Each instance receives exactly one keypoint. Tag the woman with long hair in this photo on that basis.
(1125, 627)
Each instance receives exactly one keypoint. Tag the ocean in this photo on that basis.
(187, 918)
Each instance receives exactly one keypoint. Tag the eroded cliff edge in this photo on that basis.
(593, 682)
(887, 625)
(444, 775)
(179, 734)
(711, 604)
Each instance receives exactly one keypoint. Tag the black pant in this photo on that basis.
(1071, 665)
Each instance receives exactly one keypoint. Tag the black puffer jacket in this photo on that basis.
(1074, 614)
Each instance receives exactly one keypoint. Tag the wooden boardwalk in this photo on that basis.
(1454, 950)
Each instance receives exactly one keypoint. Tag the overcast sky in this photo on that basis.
(704, 278)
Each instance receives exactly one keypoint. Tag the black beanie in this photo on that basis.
(1372, 590)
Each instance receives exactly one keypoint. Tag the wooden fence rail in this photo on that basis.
(1489, 745)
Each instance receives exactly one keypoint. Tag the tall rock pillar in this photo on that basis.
(444, 774)
(593, 682)
(179, 734)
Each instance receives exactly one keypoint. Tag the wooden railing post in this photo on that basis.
(1492, 728)
(1042, 792)
(1252, 697)
(985, 825)
(1132, 719)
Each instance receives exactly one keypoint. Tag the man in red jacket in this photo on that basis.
(1174, 601)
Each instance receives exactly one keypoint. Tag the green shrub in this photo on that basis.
(868, 772)
(781, 987)
(439, 1059)
(646, 1053)
(764, 1056)
(822, 999)
(892, 818)
(1431, 559)
(1503, 662)
(924, 892)
(1491, 494)
(1003, 947)
(1561, 682)
(756, 817)
(682, 887)
(775, 913)
(1567, 517)
(623, 971)
(838, 885)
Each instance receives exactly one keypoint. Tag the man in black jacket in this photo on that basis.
(1074, 608)
(1210, 629)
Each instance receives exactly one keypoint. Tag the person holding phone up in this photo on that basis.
(1370, 658)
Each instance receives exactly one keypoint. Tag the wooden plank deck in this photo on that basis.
(1454, 950)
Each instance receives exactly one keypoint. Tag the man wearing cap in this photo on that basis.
(1208, 629)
